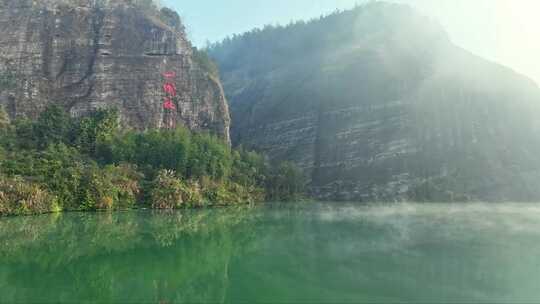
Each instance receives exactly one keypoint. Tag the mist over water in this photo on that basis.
(411, 253)
(278, 253)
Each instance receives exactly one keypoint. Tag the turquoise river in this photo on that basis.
(276, 253)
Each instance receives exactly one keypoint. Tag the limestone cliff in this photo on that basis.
(377, 104)
(87, 54)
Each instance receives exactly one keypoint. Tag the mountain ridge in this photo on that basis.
(389, 109)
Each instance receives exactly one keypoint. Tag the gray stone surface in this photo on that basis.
(88, 54)
(385, 108)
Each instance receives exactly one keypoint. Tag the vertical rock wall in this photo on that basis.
(89, 54)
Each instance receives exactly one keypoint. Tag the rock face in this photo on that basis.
(87, 54)
(377, 104)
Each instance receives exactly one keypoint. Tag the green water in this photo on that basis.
(289, 253)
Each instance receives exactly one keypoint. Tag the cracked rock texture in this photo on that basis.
(377, 104)
(87, 54)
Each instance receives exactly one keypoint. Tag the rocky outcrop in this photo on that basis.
(88, 54)
(377, 104)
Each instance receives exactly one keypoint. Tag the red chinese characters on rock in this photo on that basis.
(168, 104)
(170, 91)
(169, 75)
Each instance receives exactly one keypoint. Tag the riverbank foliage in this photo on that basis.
(62, 163)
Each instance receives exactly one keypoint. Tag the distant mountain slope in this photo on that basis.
(87, 54)
(377, 104)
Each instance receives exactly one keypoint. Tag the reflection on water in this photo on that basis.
(277, 253)
(132, 256)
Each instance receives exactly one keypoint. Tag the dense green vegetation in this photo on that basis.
(205, 62)
(91, 163)
(267, 48)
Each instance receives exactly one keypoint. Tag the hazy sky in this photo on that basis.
(506, 31)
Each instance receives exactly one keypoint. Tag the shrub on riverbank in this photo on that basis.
(21, 197)
(170, 192)
(111, 187)
(285, 183)
(90, 163)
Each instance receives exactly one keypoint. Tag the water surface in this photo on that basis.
(301, 253)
